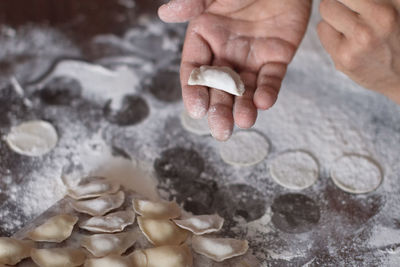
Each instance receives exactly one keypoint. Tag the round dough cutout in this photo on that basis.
(33, 138)
(295, 170)
(245, 148)
(199, 127)
(356, 174)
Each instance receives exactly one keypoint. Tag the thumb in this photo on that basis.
(182, 10)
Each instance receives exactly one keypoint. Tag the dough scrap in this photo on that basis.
(156, 210)
(295, 170)
(162, 232)
(201, 224)
(101, 205)
(196, 126)
(56, 229)
(32, 138)
(13, 251)
(111, 223)
(101, 245)
(109, 261)
(356, 174)
(167, 256)
(219, 249)
(90, 187)
(244, 148)
(221, 78)
(58, 257)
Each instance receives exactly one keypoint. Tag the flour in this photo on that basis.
(97, 81)
(32, 138)
(356, 174)
(244, 148)
(294, 169)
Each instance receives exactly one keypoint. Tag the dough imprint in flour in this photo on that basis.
(221, 78)
(32, 138)
(196, 126)
(356, 174)
(295, 169)
(244, 148)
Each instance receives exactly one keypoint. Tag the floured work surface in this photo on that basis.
(318, 111)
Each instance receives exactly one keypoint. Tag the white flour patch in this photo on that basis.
(97, 160)
(356, 174)
(32, 138)
(97, 82)
(244, 148)
(295, 170)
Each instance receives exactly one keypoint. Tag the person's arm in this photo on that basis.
(363, 39)
(257, 38)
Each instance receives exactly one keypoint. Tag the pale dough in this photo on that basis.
(295, 170)
(196, 126)
(356, 174)
(244, 148)
(221, 78)
(32, 138)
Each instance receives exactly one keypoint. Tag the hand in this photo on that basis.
(363, 39)
(257, 38)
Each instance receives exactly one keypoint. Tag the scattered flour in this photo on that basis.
(356, 174)
(97, 81)
(244, 148)
(294, 169)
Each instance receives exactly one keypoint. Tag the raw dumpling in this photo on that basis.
(201, 224)
(169, 256)
(101, 245)
(58, 257)
(13, 251)
(111, 223)
(91, 187)
(101, 205)
(56, 229)
(162, 232)
(219, 249)
(156, 210)
(109, 261)
(221, 78)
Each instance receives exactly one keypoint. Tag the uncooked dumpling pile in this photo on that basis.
(108, 233)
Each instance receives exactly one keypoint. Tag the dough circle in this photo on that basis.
(244, 148)
(295, 170)
(32, 138)
(199, 127)
(356, 174)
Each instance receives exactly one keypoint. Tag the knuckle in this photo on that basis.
(346, 61)
(387, 18)
(364, 35)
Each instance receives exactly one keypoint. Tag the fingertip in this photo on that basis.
(220, 121)
(245, 117)
(264, 98)
(196, 103)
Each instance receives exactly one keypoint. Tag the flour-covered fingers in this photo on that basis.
(220, 116)
(182, 10)
(269, 82)
(196, 52)
(244, 111)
